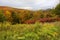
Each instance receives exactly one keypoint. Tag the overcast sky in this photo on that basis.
(30, 4)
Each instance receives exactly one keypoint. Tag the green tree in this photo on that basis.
(2, 17)
(57, 10)
(15, 19)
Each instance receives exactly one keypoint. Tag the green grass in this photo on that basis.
(37, 31)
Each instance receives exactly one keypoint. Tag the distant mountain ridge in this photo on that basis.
(11, 8)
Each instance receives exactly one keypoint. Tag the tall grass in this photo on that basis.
(37, 31)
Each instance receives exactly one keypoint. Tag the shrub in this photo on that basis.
(47, 20)
(30, 21)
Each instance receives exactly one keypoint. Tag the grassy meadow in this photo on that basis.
(37, 31)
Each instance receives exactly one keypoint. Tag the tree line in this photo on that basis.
(24, 16)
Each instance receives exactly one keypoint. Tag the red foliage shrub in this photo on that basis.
(57, 19)
(42, 20)
(30, 21)
(46, 20)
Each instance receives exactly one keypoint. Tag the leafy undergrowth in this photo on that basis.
(37, 31)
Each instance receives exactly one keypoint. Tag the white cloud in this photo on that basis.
(24, 8)
(30, 4)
